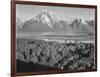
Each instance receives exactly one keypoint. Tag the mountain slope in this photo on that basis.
(35, 27)
(19, 24)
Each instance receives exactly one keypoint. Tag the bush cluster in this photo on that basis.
(70, 56)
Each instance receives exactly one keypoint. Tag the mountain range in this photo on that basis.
(47, 22)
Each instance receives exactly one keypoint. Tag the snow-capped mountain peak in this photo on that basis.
(46, 17)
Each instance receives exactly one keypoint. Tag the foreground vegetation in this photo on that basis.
(70, 56)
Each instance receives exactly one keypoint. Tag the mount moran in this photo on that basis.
(46, 21)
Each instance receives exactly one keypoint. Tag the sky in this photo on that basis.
(26, 12)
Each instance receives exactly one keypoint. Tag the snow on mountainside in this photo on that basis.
(19, 24)
(47, 21)
(46, 17)
(43, 22)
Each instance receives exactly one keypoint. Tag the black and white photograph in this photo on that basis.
(50, 38)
